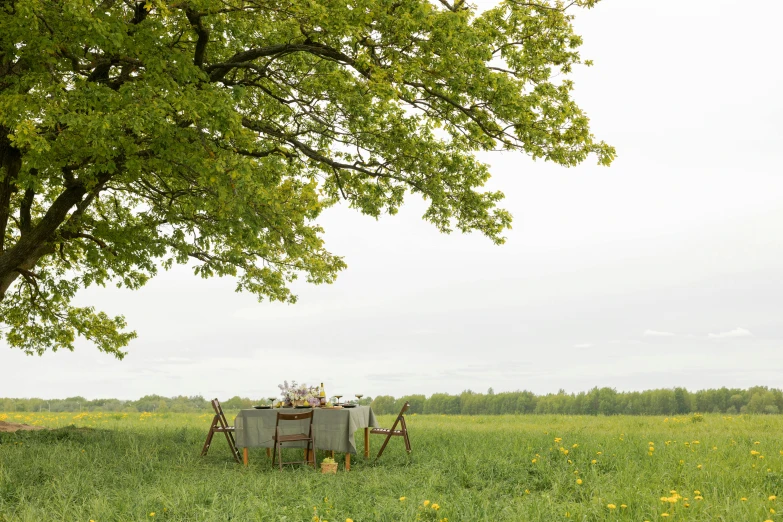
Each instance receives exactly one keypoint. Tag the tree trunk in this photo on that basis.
(33, 242)
(10, 165)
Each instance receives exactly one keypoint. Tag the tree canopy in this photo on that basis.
(137, 135)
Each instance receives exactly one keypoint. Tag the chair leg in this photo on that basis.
(212, 427)
(205, 449)
(314, 450)
(233, 446)
(280, 455)
(388, 437)
(405, 435)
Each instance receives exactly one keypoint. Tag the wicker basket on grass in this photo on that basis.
(328, 466)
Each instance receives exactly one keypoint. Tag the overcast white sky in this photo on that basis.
(662, 270)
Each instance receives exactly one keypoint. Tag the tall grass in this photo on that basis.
(109, 467)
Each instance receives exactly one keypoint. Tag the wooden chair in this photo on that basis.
(298, 437)
(393, 432)
(220, 425)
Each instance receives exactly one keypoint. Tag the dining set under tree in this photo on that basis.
(303, 418)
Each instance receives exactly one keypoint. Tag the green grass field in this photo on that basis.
(114, 467)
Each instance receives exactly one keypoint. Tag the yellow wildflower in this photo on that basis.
(772, 497)
(757, 442)
(611, 506)
(623, 506)
(743, 499)
(698, 467)
(558, 439)
(435, 507)
(426, 502)
(533, 461)
(575, 446)
(696, 492)
(664, 514)
(579, 482)
(348, 520)
(402, 498)
(593, 461)
(152, 514)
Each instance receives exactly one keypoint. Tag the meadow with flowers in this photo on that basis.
(145, 466)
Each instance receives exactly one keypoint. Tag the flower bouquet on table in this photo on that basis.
(299, 394)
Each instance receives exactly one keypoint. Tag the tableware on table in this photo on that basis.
(349, 405)
(302, 407)
(262, 407)
(359, 397)
(272, 400)
(338, 397)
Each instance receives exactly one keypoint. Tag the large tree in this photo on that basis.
(137, 135)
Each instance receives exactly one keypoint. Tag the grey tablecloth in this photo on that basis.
(332, 429)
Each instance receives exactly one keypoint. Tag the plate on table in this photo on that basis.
(349, 405)
(302, 407)
(262, 407)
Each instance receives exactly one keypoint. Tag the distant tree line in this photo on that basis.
(149, 403)
(598, 401)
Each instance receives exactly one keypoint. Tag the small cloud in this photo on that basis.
(656, 333)
(737, 332)
(583, 345)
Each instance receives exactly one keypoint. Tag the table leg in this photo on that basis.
(244, 456)
(366, 442)
(269, 453)
(347, 462)
(332, 453)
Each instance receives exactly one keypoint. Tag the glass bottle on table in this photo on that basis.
(322, 395)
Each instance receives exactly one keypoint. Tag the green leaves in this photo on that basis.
(214, 133)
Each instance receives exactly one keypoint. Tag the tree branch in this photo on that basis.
(219, 70)
(24, 211)
(203, 36)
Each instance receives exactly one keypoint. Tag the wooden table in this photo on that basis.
(255, 428)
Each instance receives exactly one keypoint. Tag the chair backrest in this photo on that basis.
(219, 412)
(294, 417)
(400, 417)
